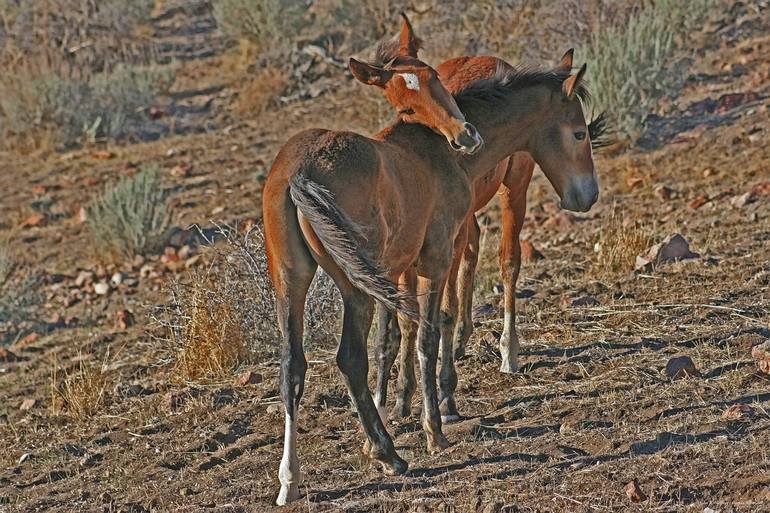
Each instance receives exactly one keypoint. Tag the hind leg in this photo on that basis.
(465, 275)
(291, 270)
(354, 366)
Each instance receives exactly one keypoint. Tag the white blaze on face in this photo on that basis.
(412, 82)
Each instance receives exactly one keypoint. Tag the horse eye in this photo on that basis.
(406, 112)
(580, 135)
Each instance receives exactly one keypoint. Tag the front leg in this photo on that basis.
(428, 335)
(513, 200)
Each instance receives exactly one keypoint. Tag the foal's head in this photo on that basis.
(562, 144)
(414, 89)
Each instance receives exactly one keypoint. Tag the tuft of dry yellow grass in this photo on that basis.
(80, 392)
(620, 241)
(213, 337)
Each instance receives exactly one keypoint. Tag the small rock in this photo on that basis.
(274, 408)
(743, 200)
(634, 492)
(101, 288)
(28, 404)
(127, 390)
(24, 457)
(185, 492)
(35, 220)
(181, 170)
(117, 279)
(680, 367)
(27, 340)
(123, 319)
(634, 181)
(698, 202)
(673, 248)
(102, 155)
(761, 189)
(738, 413)
(83, 278)
(248, 378)
(529, 252)
(81, 216)
(665, 192)
(587, 300)
(761, 355)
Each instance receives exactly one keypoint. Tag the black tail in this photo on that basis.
(337, 231)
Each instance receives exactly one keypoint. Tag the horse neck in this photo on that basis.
(506, 124)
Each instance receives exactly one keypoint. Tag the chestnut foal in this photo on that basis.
(366, 210)
(577, 187)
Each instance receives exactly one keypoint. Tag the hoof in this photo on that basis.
(509, 367)
(287, 494)
(437, 443)
(395, 467)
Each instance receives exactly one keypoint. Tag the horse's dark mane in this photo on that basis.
(509, 79)
(387, 51)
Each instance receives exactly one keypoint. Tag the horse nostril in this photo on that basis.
(471, 130)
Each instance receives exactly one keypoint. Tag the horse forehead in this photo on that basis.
(412, 81)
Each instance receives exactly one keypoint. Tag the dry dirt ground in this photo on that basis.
(589, 412)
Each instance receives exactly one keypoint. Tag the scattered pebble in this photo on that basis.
(635, 492)
(680, 367)
(761, 355)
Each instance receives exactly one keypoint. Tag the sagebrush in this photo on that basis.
(131, 218)
(633, 62)
(61, 84)
(264, 22)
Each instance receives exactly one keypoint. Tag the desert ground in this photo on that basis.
(108, 404)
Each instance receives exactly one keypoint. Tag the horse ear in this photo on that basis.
(565, 65)
(570, 85)
(368, 74)
(409, 43)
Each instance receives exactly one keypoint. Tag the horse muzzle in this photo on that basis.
(581, 194)
(468, 141)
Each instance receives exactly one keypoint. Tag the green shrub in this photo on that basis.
(105, 105)
(633, 64)
(130, 219)
(265, 22)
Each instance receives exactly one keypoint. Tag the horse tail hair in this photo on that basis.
(337, 233)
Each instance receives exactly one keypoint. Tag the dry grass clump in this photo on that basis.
(80, 392)
(620, 241)
(634, 61)
(260, 92)
(225, 315)
(214, 338)
(130, 219)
